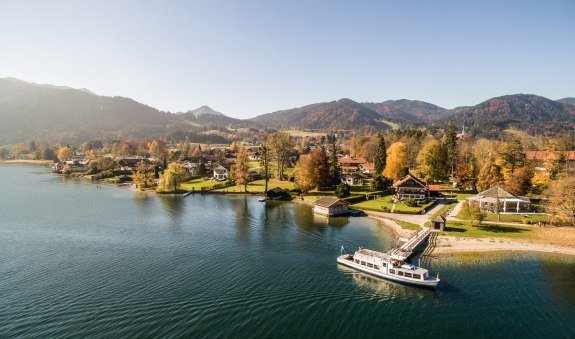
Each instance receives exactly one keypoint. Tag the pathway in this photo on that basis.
(419, 219)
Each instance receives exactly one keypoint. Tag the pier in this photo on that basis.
(405, 251)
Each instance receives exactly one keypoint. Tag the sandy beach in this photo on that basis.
(394, 226)
(547, 240)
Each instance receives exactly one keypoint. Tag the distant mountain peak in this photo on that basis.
(204, 110)
(568, 100)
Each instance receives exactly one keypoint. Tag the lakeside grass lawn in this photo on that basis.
(462, 229)
(408, 225)
(518, 218)
(384, 205)
(532, 218)
(198, 184)
(259, 186)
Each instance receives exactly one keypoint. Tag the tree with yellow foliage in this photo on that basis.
(396, 160)
(64, 153)
(241, 168)
(562, 200)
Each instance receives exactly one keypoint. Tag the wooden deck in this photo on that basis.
(405, 251)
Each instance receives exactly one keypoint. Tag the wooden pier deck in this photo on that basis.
(405, 251)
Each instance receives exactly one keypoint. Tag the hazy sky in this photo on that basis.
(245, 58)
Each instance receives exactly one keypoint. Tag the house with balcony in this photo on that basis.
(411, 187)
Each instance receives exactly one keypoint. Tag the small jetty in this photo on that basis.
(405, 251)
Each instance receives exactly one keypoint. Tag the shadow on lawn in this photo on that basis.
(455, 229)
(501, 229)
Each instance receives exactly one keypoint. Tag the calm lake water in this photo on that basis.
(78, 261)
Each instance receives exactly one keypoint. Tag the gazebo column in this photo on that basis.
(504, 206)
(518, 206)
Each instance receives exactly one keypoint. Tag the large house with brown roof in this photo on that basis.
(411, 187)
(350, 165)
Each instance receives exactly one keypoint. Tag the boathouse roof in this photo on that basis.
(328, 201)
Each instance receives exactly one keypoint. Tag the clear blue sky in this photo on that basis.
(245, 58)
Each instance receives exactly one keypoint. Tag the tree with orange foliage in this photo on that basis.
(396, 160)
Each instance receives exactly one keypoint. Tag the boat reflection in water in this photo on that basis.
(386, 290)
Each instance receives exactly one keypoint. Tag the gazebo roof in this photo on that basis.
(497, 193)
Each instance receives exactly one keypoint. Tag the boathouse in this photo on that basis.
(330, 206)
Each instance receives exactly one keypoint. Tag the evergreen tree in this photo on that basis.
(342, 190)
(201, 168)
(334, 167)
(48, 154)
(450, 144)
(380, 155)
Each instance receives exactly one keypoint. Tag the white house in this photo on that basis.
(221, 173)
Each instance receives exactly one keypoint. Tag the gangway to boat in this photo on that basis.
(405, 251)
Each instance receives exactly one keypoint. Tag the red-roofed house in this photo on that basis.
(349, 165)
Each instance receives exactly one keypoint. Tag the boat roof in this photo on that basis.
(365, 251)
(417, 270)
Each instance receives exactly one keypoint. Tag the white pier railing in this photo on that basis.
(406, 250)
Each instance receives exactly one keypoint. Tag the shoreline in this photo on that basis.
(445, 244)
(455, 245)
(393, 226)
(27, 162)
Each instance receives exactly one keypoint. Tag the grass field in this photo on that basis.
(408, 225)
(532, 218)
(393, 125)
(462, 229)
(304, 133)
(384, 205)
(197, 184)
(259, 186)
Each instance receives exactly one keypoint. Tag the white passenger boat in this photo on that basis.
(383, 266)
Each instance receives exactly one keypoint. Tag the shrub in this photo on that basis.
(410, 202)
(342, 190)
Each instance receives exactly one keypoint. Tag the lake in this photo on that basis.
(80, 261)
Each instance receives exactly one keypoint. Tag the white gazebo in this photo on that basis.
(496, 199)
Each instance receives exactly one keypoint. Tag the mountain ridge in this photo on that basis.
(63, 114)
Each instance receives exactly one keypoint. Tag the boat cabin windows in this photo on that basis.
(416, 276)
(376, 267)
(392, 271)
(384, 265)
(369, 265)
(407, 275)
(400, 273)
(356, 261)
(363, 263)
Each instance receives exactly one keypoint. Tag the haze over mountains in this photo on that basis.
(62, 114)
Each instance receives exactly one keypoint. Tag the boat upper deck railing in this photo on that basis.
(365, 251)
